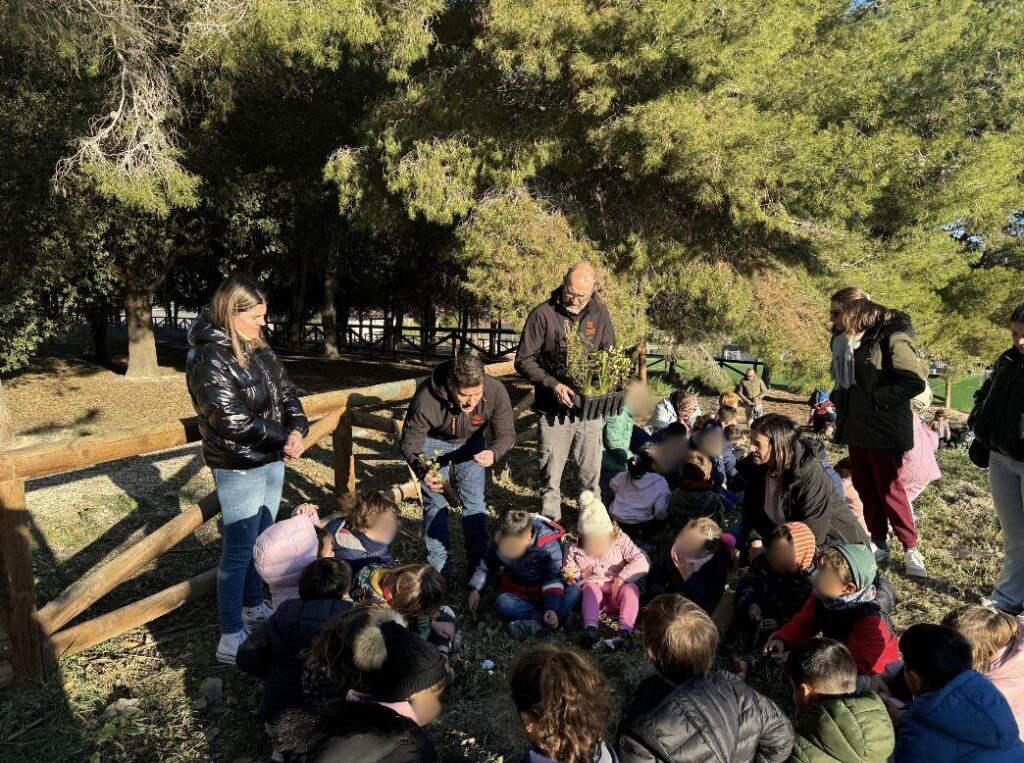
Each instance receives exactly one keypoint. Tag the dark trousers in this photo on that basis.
(875, 474)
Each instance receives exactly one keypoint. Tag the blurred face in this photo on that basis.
(514, 546)
(834, 314)
(781, 556)
(760, 449)
(844, 473)
(712, 443)
(427, 704)
(597, 544)
(468, 398)
(249, 324)
(326, 550)
(750, 374)
(384, 528)
(669, 454)
(1017, 332)
(690, 544)
(828, 585)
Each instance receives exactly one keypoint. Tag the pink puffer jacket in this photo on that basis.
(623, 560)
(919, 467)
(282, 552)
(1006, 671)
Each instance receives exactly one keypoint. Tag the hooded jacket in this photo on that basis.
(355, 548)
(623, 560)
(920, 467)
(853, 729)
(245, 415)
(541, 359)
(639, 501)
(282, 552)
(966, 721)
(779, 596)
(809, 495)
(704, 587)
(712, 718)
(272, 651)
(536, 575)
(875, 412)
(433, 412)
(1006, 671)
(997, 418)
(357, 732)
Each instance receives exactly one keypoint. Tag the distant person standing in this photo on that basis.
(940, 425)
(752, 390)
(250, 419)
(573, 307)
(998, 423)
(877, 374)
(452, 412)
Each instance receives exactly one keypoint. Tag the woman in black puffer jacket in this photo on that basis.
(998, 423)
(250, 418)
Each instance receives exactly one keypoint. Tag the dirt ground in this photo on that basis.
(158, 670)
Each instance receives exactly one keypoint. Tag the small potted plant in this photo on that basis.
(598, 378)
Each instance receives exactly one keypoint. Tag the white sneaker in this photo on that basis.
(228, 645)
(257, 614)
(882, 555)
(915, 564)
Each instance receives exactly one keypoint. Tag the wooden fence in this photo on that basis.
(31, 637)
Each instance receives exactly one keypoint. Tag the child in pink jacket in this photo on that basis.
(284, 549)
(605, 566)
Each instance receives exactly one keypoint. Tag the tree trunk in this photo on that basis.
(138, 311)
(327, 314)
(342, 310)
(99, 318)
(6, 421)
(766, 377)
(641, 357)
(949, 393)
(298, 310)
(397, 342)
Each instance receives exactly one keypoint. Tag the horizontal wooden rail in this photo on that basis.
(130, 616)
(49, 458)
(99, 581)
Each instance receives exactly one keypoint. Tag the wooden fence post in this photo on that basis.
(17, 584)
(344, 456)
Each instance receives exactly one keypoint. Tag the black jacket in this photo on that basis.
(997, 418)
(245, 415)
(875, 412)
(541, 355)
(808, 496)
(357, 732)
(711, 718)
(272, 651)
(704, 588)
(432, 412)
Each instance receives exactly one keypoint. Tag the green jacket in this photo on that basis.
(875, 412)
(844, 730)
(618, 431)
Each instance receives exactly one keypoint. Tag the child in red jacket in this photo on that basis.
(843, 607)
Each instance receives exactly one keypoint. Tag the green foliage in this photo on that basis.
(599, 372)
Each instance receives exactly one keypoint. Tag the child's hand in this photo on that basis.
(444, 630)
(754, 613)
(879, 685)
(616, 587)
(435, 482)
(473, 601)
(755, 550)
(306, 509)
(775, 648)
(551, 618)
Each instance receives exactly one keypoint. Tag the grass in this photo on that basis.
(80, 519)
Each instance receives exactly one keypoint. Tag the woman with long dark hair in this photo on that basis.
(877, 373)
(998, 423)
(250, 418)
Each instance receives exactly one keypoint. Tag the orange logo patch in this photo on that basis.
(590, 329)
(477, 420)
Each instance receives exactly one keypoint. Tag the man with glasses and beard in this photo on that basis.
(573, 307)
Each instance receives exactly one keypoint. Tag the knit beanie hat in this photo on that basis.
(862, 563)
(594, 517)
(394, 663)
(803, 543)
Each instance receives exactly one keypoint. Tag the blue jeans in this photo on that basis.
(470, 479)
(249, 499)
(511, 607)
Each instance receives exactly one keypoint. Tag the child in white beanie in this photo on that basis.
(605, 566)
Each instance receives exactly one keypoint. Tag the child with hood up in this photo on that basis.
(603, 566)
(284, 550)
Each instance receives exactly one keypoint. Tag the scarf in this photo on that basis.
(403, 709)
(848, 600)
(689, 567)
(843, 347)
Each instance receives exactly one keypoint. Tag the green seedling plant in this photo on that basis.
(596, 373)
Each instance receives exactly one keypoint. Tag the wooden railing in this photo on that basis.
(30, 637)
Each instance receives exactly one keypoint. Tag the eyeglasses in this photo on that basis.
(573, 296)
